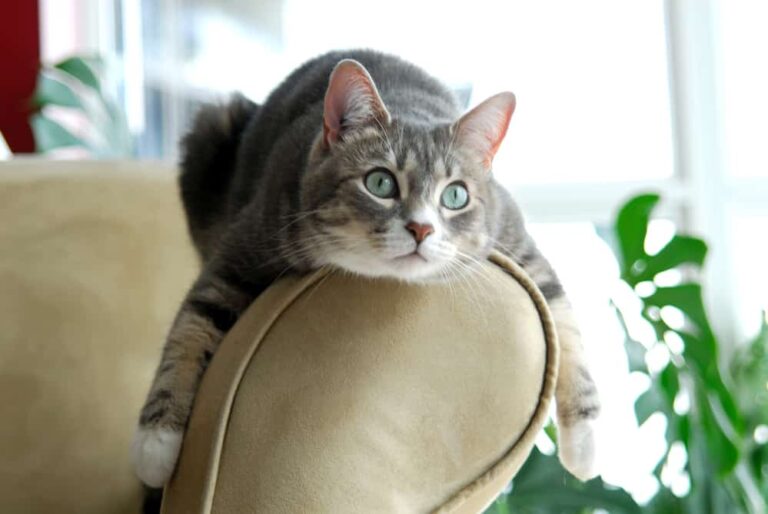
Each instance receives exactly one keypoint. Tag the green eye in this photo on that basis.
(455, 196)
(380, 182)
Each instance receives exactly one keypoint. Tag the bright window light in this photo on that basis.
(749, 257)
(592, 93)
(590, 275)
(744, 41)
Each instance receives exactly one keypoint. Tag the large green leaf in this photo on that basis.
(670, 383)
(52, 90)
(687, 298)
(715, 432)
(631, 229)
(680, 426)
(700, 352)
(50, 135)
(727, 402)
(649, 402)
(636, 355)
(722, 450)
(679, 250)
(667, 503)
(81, 69)
(543, 486)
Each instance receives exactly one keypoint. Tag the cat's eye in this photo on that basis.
(455, 196)
(380, 182)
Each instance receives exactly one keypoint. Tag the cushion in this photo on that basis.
(94, 263)
(341, 394)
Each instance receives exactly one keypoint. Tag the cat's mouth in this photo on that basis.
(413, 256)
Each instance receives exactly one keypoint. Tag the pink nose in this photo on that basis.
(420, 231)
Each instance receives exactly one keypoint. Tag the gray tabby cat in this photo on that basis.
(359, 161)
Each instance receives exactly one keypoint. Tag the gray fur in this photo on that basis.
(281, 202)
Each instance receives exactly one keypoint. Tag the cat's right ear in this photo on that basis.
(482, 129)
(351, 101)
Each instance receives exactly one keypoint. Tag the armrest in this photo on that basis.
(343, 394)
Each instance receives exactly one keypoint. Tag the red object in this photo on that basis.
(19, 63)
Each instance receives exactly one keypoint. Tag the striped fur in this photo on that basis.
(288, 194)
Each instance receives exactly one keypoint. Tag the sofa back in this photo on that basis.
(94, 261)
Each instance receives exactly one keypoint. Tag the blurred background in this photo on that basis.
(615, 97)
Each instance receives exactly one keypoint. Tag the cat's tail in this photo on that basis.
(209, 154)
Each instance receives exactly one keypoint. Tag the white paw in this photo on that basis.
(155, 451)
(577, 450)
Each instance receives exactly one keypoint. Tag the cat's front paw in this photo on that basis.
(577, 450)
(155, 451)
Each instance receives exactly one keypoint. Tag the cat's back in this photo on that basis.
(400, 83)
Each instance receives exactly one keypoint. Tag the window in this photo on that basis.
(744, 82)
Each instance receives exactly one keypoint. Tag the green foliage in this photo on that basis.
(74, 86)
(50, 134)
(749, 370)
(542, 486)
(726, 466)
(713, 431)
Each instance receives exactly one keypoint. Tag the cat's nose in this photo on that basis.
(420, 231)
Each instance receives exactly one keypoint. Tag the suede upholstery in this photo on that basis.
(336, 394)
(332, 394)
(94, 261)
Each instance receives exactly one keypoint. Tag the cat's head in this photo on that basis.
(389, 197)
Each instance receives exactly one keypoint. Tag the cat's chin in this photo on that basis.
(411, 268)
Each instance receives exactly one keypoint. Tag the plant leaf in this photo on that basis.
(666, 503)
(683, 428)
(679, 250)
(687, 298)
(79, 68)
(727, 402)
(542, 485)
(636, 355)
(50, 134)
(670, 383)
(52, 91)
(631, 229)
(700, 352)
(649, 402)
(721, 449)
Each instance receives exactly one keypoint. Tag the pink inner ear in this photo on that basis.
(333, 115)
(483, 128)
(351, 100)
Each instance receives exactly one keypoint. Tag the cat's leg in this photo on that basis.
(208, 312)
(578, 403)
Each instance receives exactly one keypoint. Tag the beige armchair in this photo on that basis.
(94, 260)
(332, 394)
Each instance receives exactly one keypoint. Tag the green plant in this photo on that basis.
(749, 369)
(542, 486)
(725, 463)
(713, 430)
(75, 87)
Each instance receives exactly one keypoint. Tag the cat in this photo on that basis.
(359, 161)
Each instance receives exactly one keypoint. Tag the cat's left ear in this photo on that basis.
(351, 101)
(481, 131)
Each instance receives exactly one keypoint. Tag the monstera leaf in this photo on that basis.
(714, 432)
(725, 463)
